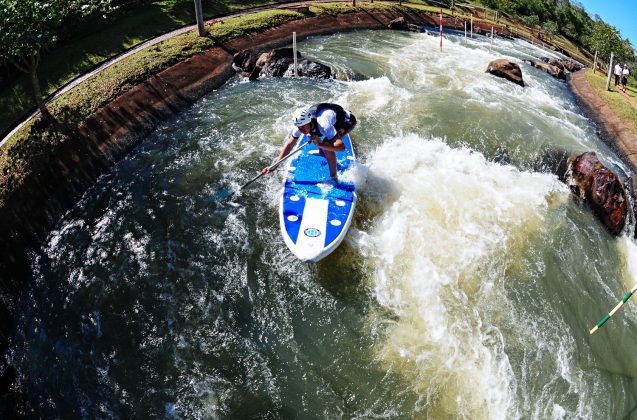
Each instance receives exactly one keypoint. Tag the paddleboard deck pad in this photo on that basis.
(315, 213)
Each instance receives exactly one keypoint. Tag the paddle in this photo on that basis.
(271, 167)
(615, 309)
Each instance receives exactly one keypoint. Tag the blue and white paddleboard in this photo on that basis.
(315, 213)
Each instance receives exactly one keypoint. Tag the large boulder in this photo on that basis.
(506, 69)
(565, 65)
(556, 63)
(601, 189)
(554, 71)
(245, 62)
(311, 69)
(278, 62)
(571, 66)
(400, 24)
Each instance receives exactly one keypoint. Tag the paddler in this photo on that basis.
(325, 124)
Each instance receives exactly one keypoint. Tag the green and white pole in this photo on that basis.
(615, 309)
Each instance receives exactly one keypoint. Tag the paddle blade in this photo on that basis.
(222, 196)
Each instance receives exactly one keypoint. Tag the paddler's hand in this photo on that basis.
(266, 170)
(316, 140)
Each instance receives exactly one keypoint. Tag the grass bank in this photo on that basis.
(624, 110)
(98, 39)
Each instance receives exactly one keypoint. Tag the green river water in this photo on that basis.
(465, 288)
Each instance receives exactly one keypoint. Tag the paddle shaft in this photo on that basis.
(271, 167)
(615, 309)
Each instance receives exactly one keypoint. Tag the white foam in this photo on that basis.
(453, 222)
(377, 95)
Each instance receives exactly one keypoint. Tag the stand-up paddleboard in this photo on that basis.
(315, 213)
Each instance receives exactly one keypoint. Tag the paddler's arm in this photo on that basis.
(335, 145)
(287, 148)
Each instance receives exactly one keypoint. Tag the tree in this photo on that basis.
(199, 15)
(27, 27)
(605, 39)
(550, 27)
(531, 21)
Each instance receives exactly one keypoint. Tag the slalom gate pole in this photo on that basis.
(296, 66)
(441, 29)
(615, 309)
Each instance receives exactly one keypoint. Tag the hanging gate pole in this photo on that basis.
(296, 68)
(441, 29)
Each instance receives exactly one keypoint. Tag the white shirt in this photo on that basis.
(626, 72)
(325, 120)
(618, 70)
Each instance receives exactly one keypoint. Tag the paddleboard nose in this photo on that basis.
(310, 255)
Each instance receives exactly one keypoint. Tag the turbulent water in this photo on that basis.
(465, 288)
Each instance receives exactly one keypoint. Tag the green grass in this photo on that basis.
(254, 22)
(24, 149)
(101, 39)
(118, 78)
(624, 110)
(631, 91)
(320, 9)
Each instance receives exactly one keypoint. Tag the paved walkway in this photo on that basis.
(628, 98)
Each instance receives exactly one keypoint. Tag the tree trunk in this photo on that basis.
(29, 65)
(199, 16)
(60, 127)
(37, 94)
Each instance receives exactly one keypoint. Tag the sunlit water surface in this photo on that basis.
(465, 288)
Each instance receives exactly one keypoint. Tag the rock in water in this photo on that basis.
(400, 24)
(601, 189)
(278, 62)
(506, 69)
(554, 71)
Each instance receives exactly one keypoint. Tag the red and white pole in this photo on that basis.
(441, 29)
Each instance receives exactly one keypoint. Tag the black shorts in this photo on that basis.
(347, 125)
